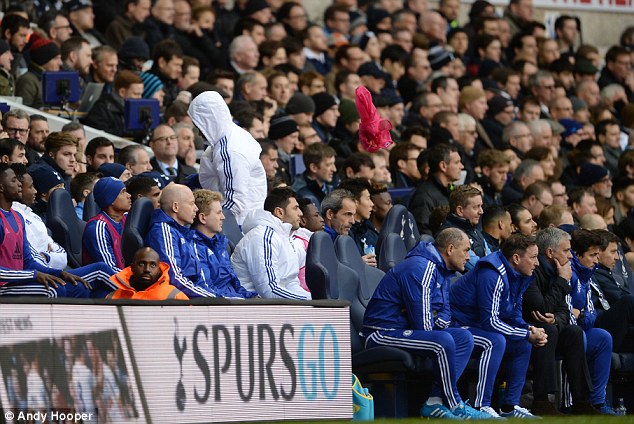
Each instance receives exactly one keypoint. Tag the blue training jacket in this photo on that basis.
(217, 270)
(581, 295)
(413, 295)
(490, 297)
(173, 243)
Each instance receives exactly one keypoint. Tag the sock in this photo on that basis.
(507, 408)
(433, 400)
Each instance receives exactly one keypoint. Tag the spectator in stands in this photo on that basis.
(500, 114)
(167, 229)
(613, 302)
(496, 226)
(269, 158)
(12, 151)
(243, 54)
(465, 210)
(77, 129)
(382, 201)
(582, 202)
(104, 66)
(13, 233)
(325, 116)
(311, 218)
(338, 209)
(402, 305)
(544, 305)
(45, 181)
(597, 178)
(16, 123)
(316, 48)
(251, 86)
(140, 186)
(198, 39)
(82, 20)
(537, 196)
(301, 108)
(284, 132)
(59, 156)
(38, 132)
(444, 170)
(108, 112)
(423, 109)
(101, 241)
(159, 26)
(99, 150)
(56, 26)
(403, 165)
(77, 56)
(608, 134)
(617, 70)
(363, 232)
(80, 187)
(521, 220)
(542, 86)
(133, 53)
(526, 174)
(494, 166)
(49, 251)
(135, 158)
(168, 61)
(164, 144)
(319, 178)
(235, 169)
(623, 189)
(487, 301)
(7, 81)
(15, 31)
(473, 102)
(358, 165)
(265, 260)
(554, 216)
(129, 23)
(44, 56)
(211, 247)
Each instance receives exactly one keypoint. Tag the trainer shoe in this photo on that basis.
(466, 412)
(606, 409)
(493, 415)
(437, 410)
(519, 412)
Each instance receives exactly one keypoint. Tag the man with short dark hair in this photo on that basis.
(77, 56)
(15, 31)
(145, 186)
(99, 150)
(404, 165)
(582, 202)
(38, 131)
(617, 70)
(12, 151)
(445, 168)
(525, 174)
(494, 165)
(496, 226)
(265, 260)
(168, 61)
(487, 301)
(319, 178)
(537, 196)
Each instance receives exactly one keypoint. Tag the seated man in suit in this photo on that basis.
(164, 144)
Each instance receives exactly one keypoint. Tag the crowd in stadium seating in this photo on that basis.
(499, 128)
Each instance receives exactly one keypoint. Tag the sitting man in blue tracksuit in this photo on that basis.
(170, 236)
(488, 301)
(586, 247)
(211, 247)
(410, 310)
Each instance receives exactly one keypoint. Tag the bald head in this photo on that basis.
(178, 202)
(593, 221)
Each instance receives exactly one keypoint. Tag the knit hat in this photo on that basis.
(591, 173)
(281, 126)
(357, 22)
(75, 5)
(323, 101)
(134, 48)
(498, 103)
(362, 39)
(371, 69)
(106, 190)
(469, 94)
(391, 97)
(112, 170)
(348, 112)
(571, 126)
(4, 47)
(151, 84)
(161, 179)
(585, 67)
(578, 104)
(300, 103)
(253, 6)
(44, 178)
(43, 50)
(375, 16)
(438, 57)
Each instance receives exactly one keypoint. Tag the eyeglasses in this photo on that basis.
(167, 137)
(21, 131)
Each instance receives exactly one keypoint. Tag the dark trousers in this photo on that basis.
(619, 322)
(568, 345)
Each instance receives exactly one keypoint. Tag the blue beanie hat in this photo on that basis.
(112, 169)
(151, 84)
(571, 126)
(106, 191)
(591, 173)
(162, 179)
(44, 178)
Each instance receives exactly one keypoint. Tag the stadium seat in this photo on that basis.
(322, 267)
(90, 207)
(136, 226)
(426, 238)
(296, 165)
(400, 221)
(231, 229)
(369, 276)
(392, 251)
(66, 228)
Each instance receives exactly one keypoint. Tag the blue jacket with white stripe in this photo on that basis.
(581, 295)
(490, 297)
(174, 245)
(412, 295)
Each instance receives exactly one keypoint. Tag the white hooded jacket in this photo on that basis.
(231, 164)
(266, 259)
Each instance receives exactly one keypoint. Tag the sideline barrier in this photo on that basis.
(217, 361)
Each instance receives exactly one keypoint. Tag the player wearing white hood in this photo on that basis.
(231, 164)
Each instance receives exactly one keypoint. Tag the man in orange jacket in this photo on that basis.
(147, 278)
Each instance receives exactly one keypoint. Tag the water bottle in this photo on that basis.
(368, 249)
(621, 410)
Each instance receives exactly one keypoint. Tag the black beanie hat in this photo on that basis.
(43, 50)
(281, 126)
(323, 102)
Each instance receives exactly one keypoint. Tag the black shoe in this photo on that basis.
(584, 408)
(544, 407)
